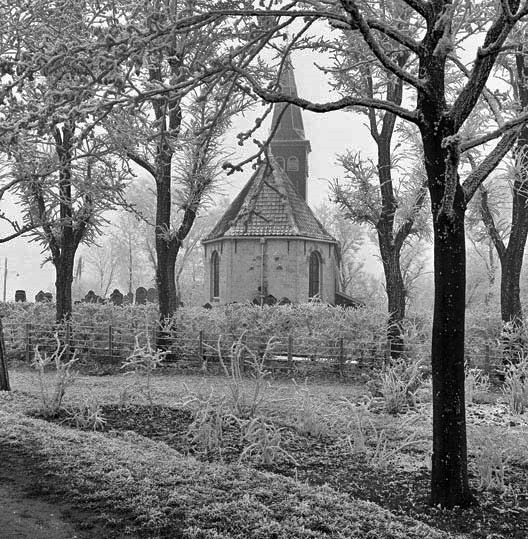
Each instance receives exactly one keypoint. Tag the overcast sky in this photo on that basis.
(329, 134)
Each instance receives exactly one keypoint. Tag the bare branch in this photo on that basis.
(401, 38)
(143, 163)
(504, 128)
(486, 167)
(343, 103)
(489, 223)
(495, 38)
(363, 26)
(421, 7)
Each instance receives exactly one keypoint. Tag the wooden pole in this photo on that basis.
(290, 350)
(341, 357)
(110, 341)
(28, 343)
(4, 374)
(5, 279)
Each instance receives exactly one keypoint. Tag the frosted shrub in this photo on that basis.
(244, 400)
(143, 361)
(262, 442)
(398, 384)
(51, 395)
(515, 386)
(477, 385)
(88, 414)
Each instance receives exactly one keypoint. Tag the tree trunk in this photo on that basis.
(4, 373)
(63, 287)
(512, 260)
(449, 477)
(395, 290)
(449, 480)
(164, 258)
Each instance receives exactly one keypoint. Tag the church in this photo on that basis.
(269, 246)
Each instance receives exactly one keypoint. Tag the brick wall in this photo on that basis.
(285, 269)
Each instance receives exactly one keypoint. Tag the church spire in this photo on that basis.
(289, 144)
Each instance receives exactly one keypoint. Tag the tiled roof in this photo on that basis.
(269, 205)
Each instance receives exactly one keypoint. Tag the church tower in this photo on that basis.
(289, 144)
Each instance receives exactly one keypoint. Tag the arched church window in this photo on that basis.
(293, 164)
(314, 275)
(215, 275)
(280, 162)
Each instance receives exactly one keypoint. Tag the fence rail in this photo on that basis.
(107, 343)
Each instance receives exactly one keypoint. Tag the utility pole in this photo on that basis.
(5, 278)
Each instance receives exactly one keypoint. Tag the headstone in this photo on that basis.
(91, 297)
(128, 299)
(270, 299)
(48, 297)
(20, 295)
(284, 301)
(40, 297)
(152, 295)
(116, 297)
(141, 296)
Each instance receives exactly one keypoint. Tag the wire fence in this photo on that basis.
(110, 345)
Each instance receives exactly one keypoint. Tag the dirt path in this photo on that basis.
(27, 514)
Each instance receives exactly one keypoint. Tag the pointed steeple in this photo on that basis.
(289, 144)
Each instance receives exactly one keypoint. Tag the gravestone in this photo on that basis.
(128, 299)
(40, 297)
(152, 295)
(91, 297)
(284, 301)
(116, 297)
(270, 299)
(20, 295)
(48, 297)
(141, 296)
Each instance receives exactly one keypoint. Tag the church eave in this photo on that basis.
(270, 237)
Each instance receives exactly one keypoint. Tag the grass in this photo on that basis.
(155, 487)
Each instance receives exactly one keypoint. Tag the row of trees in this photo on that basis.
(90, 87)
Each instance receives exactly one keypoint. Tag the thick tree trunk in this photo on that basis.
(449, 477)
(449, 480)
(395, 290)
(511, 308)
(164, 258)
(63, 287)
(512, 259)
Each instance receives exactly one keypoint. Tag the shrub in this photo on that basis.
(88, 414)
(51, 395)
(515, 386)
(397, 383)
(262, 442)
(143, 361)
(245, 402)
(477, 385)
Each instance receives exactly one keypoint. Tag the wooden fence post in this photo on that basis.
(200, 345)
(28, 342)
(68, 339)
(341, 357)
(4, 374)
(110, 342)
